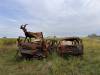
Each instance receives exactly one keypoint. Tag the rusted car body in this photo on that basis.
(37, 48)
(70, 45)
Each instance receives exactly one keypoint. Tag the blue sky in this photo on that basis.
(52, 17)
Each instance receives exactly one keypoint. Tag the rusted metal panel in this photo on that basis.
(71, 45)
(35, 48)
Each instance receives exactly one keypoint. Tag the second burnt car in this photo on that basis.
(70, 45)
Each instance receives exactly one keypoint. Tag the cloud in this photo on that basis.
(54, 17)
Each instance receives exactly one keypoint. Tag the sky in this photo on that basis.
(52, 17)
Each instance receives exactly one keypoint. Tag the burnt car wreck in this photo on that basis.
(33, 45)
(34, 49)
(70, 45)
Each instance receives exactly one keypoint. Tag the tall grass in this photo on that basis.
(7, 41)
(89, 64)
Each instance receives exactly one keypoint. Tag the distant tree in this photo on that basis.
(4, 37)
(93, 35)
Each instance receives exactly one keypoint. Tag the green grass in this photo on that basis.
(54, 64)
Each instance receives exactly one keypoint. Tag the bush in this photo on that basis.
(7, 41)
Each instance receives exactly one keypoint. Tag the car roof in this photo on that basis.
(71, 38)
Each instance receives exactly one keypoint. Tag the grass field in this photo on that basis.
(54, 64)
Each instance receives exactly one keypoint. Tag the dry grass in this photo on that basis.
(54, 64)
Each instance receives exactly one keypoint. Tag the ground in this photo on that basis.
(89, 64)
